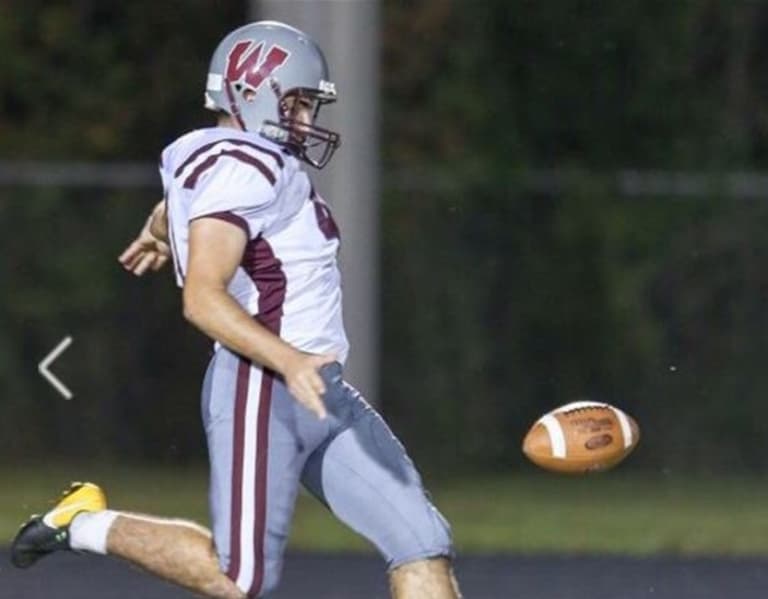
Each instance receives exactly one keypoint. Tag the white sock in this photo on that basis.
(88, 531)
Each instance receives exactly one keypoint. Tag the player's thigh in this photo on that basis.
(256, 452)
(366, 478)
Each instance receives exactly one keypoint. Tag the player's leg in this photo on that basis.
(258, 438)
(177, 550)
(367, 480)
(426, 578)
(258, 441)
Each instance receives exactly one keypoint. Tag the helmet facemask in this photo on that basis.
(313, 144)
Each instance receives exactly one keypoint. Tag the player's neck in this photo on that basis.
(226, 120)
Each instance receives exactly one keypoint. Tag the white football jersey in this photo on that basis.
(289, 277)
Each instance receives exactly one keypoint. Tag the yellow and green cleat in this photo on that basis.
(42, 535)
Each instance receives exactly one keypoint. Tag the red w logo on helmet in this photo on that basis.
(243, 60)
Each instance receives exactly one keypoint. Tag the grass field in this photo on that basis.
(612, 513)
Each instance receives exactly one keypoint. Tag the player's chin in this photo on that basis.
(299, 134)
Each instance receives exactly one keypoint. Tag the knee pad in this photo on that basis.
(430, 537)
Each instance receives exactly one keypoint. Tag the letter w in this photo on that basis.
(242, 62)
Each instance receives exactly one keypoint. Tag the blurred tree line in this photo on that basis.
(499, 300)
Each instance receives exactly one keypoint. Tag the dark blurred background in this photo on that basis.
(573, 205)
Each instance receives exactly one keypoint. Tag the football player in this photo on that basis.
(254, 249)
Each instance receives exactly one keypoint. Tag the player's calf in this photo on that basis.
(178, 551)
(424, 579)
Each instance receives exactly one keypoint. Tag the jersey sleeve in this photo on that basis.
(164, 177)
(236, 190)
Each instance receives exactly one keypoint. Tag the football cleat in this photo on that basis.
(42, 535)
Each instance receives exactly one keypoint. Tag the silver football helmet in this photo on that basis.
(260, 73)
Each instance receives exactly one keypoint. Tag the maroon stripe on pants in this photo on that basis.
(266, 272)
(265, 401)
(241, 398)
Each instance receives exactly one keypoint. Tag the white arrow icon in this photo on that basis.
(48, 360)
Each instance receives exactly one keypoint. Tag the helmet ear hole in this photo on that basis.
(248, 94)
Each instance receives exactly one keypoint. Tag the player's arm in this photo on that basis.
(150, 249)
(209, 306)
(158, 221)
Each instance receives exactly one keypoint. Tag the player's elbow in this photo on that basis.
(194, 304)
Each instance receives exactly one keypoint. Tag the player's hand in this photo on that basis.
(302, 377)
(144, 253)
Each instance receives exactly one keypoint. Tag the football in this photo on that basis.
(581, 437)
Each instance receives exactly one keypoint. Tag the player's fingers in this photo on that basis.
(307, 397)
(310, 383)
(144, 264)
(316, 405)
(315, 382)
(129, 253)
(125, 254)
(160, 260)
(133, 261)
(320, 411)
(318, 384)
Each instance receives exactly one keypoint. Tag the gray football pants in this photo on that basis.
(262, 444)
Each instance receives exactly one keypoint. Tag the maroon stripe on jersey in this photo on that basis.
(260, 511)
(236, 507)
(325, 221)
(266, 272)
(191, 181)
(229, 217)
(236, 142)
